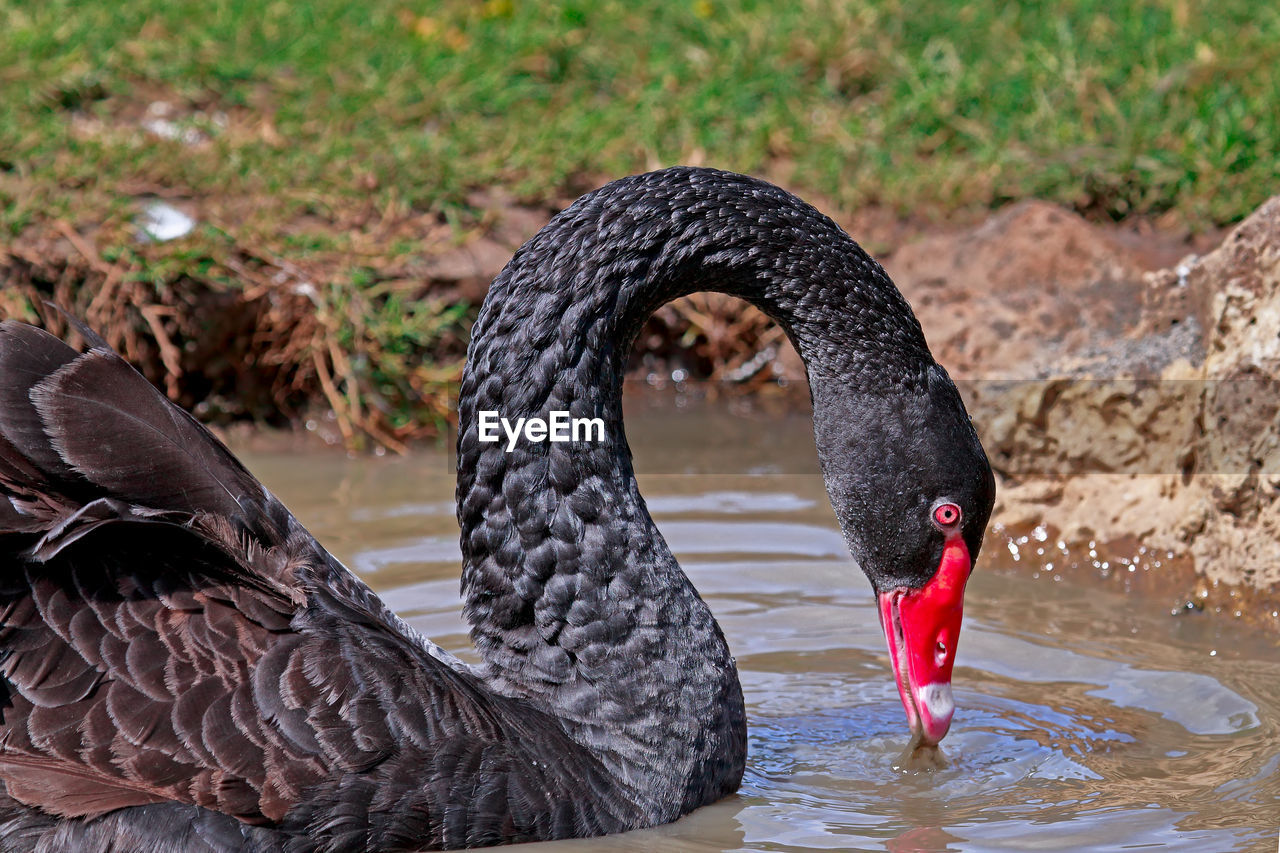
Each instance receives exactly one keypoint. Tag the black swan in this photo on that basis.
(185, 668)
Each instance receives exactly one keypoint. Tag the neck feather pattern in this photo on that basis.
(574, 599)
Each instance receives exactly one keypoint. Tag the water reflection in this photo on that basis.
(1086, 719)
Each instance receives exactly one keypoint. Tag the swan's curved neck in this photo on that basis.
(574, 599)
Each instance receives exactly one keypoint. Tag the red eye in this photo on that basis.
(947, 515)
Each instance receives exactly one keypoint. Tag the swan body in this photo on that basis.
(186, 669)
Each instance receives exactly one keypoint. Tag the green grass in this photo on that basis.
(336, 137)
(1113, 108)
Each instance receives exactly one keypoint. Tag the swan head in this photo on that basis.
(913, 490)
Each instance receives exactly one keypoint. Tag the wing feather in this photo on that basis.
(169, 634)
(114, 428)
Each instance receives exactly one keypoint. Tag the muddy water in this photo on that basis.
(1087, 719)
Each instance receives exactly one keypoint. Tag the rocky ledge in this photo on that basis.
(1124, 395)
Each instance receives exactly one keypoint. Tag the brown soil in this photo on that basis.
(1123, 376)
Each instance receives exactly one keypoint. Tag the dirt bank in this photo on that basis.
(1123, 377)
(1121, 403)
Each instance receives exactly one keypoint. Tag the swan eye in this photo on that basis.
(946, 515)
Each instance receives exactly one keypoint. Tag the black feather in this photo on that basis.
(114, 429)
(186, 669)
(27, 357)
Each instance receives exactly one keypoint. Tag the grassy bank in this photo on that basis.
(329, 149)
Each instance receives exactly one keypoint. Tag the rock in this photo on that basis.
(1011, 297)
(1166, 426)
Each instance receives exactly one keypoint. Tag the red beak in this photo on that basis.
(922, 627)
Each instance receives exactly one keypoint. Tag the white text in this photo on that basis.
(559, 426)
